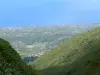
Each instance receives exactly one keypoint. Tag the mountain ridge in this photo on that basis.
(10, 61)
(79, 56)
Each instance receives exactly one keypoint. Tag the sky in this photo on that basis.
(48, 12)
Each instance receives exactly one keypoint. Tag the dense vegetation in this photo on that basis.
(11, 63)
(78, 56)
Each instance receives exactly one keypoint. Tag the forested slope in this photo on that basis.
(10, 61)
(78, 56)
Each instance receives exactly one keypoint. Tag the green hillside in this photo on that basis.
(78, 56)
(10, 61)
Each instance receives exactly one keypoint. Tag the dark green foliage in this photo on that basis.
(78, 56)
(10, 61)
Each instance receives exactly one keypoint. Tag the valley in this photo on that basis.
(33, 41)
(74, 51)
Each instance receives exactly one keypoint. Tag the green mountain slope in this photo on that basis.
(10, 61)
(78, 56)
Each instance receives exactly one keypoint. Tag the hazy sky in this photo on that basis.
(48, 12)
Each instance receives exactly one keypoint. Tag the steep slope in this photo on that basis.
(79, 56)
(10, 61)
